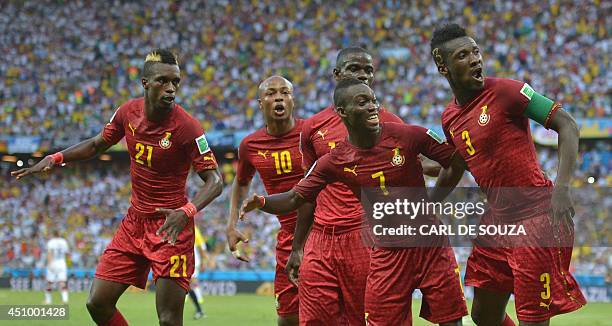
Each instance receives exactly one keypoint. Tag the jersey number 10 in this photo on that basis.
(282, 162)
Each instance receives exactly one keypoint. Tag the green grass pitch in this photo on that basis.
(139, 309)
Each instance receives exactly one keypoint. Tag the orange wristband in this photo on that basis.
(262, 201)
(58, 158)
(189, 209)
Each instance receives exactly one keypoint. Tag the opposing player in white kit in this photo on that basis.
(57, 270)
(200, 260)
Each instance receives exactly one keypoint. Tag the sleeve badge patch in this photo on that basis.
(202, 144)
(527, 91)
(435, 136)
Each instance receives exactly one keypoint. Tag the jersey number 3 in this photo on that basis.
(465, 135)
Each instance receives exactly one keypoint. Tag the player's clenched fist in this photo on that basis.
(249, 204)
(176, 220)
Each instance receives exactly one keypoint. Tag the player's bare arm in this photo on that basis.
(430, 168)
(282, 203)
(562, 206)
(448, 178)
(234, 236)
(552, 116)
(176, 219)
(304, 221)
(305, 218)
(84, 150)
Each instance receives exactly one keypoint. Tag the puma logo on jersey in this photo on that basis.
(544, 305)
(484, 117)
(264, 154)
(353, 170)
(131, 128)
(322, 133)
(452, 133)
(209, 158)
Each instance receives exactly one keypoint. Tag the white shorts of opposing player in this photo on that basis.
(57, 274)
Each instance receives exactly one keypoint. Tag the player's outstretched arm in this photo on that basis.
(84, 150)
(448, 179)
(305, 219)
(213, 186)
(234, 236)
(565, 125)
(276, 204)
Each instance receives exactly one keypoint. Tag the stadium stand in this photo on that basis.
(66, 75)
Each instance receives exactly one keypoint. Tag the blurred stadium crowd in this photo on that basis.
(68, 65)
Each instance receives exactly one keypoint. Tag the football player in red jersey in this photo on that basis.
(157, 233)
(273, 151)
(332, 290)
(381, 156)
(488, 122)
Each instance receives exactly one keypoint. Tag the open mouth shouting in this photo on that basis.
(279, 109)
(477, 74)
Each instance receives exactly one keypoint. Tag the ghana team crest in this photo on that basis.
(398, 159)
(484, 117)
(165, 142)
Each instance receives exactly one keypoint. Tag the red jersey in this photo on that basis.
(392, 162)
(161, 153)
(336, 205)
(276, 158)
(493, 137)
